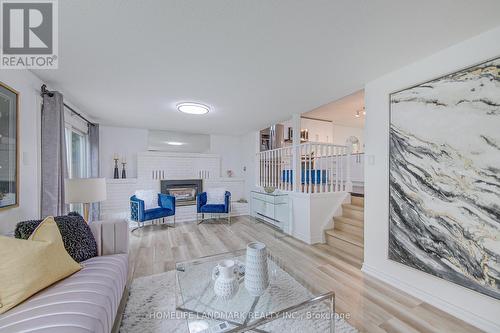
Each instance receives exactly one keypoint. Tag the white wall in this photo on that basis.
(341, 133)
(123, 141)
(471, 306)
(236, 152)
(131, 141)
(312, 214)
(250, 147)
(319, 130)
(28, 86)
(230, 150)
(190, 143)
(328, 132)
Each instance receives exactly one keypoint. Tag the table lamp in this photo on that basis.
(85, 191)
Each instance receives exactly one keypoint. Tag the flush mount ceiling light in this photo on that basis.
(174, 143)
(193, 108)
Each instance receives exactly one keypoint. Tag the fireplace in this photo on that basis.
(184, 190)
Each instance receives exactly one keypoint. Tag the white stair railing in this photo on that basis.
(272, 163)
(318, 168)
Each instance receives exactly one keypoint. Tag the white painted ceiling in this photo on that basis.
(256, 62)
(342, 111)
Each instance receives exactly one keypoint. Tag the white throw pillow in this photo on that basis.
(150, 198)
(216, 196)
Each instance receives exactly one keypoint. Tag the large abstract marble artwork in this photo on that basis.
(445, 178)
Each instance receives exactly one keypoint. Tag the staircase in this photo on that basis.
(346, 239)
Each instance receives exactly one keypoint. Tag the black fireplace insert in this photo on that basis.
(184, 190)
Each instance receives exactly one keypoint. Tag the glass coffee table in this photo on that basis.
(287, 305)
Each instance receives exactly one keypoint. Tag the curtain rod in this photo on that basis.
(45, 91)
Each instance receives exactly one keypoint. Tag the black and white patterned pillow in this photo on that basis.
(76, 234)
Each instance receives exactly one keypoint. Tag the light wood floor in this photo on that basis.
(373, 305)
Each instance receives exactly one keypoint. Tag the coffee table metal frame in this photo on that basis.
(247, 326)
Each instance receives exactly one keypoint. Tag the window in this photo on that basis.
(78, 160)
(77, 153)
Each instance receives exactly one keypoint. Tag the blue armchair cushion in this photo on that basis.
(167, 201)
(201, 200)
(213, 209)
(202, 207)
(157, 213)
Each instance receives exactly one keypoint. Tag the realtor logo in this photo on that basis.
(29, 34)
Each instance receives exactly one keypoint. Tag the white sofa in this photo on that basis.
(87, 301)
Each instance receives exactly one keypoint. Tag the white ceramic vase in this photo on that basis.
(256, 273)
(226, 279)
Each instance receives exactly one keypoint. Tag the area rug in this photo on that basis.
(151, 308)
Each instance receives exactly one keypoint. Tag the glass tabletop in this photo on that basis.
(244, 312)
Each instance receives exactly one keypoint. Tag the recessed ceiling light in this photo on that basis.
(174, 143)
(193, 108)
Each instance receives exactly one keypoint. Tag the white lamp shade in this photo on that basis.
(85, 190)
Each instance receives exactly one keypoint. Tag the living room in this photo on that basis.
(235, 166)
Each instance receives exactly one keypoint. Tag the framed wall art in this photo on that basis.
(9, 165)
(444, 177)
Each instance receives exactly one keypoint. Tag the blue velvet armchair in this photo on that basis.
(202, 207)
(140, 215)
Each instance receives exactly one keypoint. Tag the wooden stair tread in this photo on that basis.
(353, 207)
(349, 220)
(355, 230)
(346, 236)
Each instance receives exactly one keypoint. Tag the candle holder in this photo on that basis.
(124, 173)
(116, 173)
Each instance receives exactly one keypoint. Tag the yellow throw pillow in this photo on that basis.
(28, 266)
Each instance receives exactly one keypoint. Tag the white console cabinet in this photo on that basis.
(273, 208)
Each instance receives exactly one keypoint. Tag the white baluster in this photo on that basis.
(262, 169)
(270, 170)
(330, 168)
(308, 171)
(268, 176)
(321, 160)
(336, 169)
(342, 176)
(273, 170)
(348, 183)
(282, 159)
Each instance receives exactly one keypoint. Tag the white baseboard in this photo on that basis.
(438, 302)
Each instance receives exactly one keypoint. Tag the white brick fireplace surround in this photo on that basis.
(152, 167)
